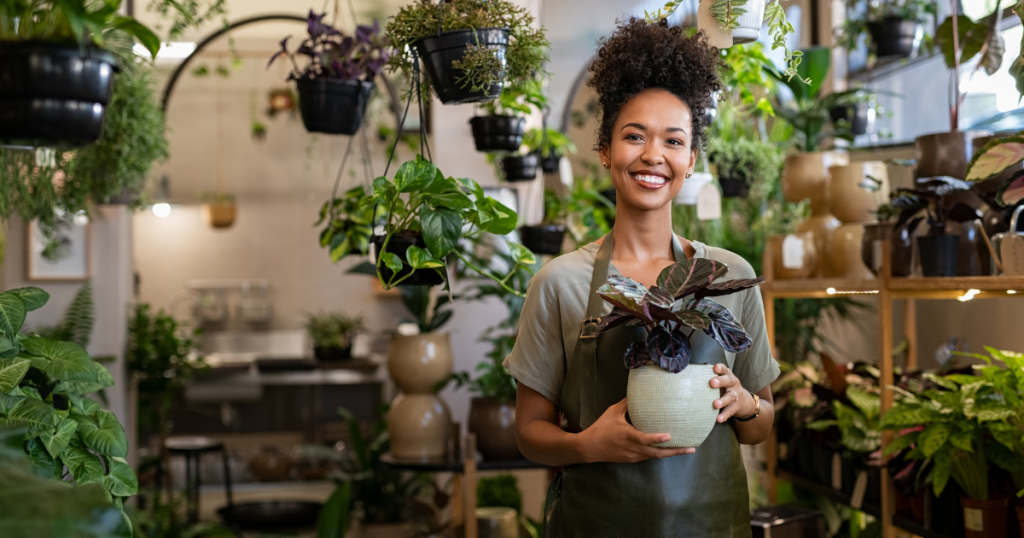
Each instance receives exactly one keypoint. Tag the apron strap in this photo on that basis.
(587, 362)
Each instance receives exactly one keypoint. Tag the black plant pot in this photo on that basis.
(848, 472)
(543, 239)
(734, 188)
(805, 459)
(329, 354)
(895, 37)
(822, 458)
(873, 492)
(938, 254)
(333, 106)
(53, 94)
(856, 117)
(792, 461)
(520, 167)
(440, 51)
(398, 245)
(497, 133)
(549, 164)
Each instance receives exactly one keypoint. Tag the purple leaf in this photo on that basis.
(724, 327)
(680, 278)
(315, 25)
(636, 355)
(364, 33)
(668, 349)
(626, 294)
(727, 287)
(692, 318)
(617, 317)
(656, 297)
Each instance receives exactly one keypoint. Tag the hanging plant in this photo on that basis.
(894, 28)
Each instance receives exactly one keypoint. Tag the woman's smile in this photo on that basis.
(650, 179)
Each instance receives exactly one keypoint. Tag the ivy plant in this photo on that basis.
(44, 385)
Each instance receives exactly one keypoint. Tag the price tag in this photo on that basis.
(974, 519)
(1011, 253)
(709, 203)
(793, 252)
(46, 158)
(837, 471)
(859, 487)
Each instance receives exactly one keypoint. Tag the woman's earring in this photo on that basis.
(689, 174)
(605, 165)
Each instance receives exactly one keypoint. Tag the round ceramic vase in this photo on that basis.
(681, 405)
(418, 425)
(844, 255)
(805, 264)
(418, 363)
(805, 176)
(849, 198)
(821, 227)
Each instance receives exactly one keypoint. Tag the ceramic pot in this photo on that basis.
(801, 263)
(418, 425)
(418, 363)
(329, 354)
(439, 51)
(494, 423)
(973, 257)
(497, 522)
(821, 227)
(849, 198)
(985, 519)
(805, 175)
(895, 37)
(749, 23)
(220, 214)
(549, 164)
(945, 154)
(844, 254)
(333, 106)
(902, 248)
(270, 465)
(680, 405)
(687, 195)
(938, 254)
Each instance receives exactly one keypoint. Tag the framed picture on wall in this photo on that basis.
(63, 258)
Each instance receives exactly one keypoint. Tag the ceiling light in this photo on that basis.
(162, 209)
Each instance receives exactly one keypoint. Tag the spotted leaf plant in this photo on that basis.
(679, 300)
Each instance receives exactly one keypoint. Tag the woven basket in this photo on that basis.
(681, 405)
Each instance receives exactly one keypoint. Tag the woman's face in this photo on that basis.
(650, 151)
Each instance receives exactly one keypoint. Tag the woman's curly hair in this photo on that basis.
(641, 55)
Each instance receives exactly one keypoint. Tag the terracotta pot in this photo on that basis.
(798, 266)
(418, 363)
(844, 254)
(985, 519)
(945, 154)
(494, 423)
(821, 227)
(849, 198)
(806, 176)
(418, 425)
(902, 248)
(380, 530)
(497, 522)
(270, 465)
(220, 214)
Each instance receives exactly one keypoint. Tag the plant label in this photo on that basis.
(565, 172)
(46, 158)
(1011, 253)
(837, 471)
(793, 252)
(876, 255)
(709, 203)
(859, 488)
(974, 519)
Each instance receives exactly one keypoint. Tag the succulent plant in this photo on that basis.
(680, 299)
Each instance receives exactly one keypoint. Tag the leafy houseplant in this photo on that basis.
(550, 145)
(548, 236)
(336, 73)
(349, 224)
(44, 384)
(1007, 449)
(935, 196)
(894, 28)
(332, 334)
(470, 49)
(742, 161)
(501, 129)
(861, 436)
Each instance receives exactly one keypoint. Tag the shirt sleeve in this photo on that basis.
(755, 367)
(538, 357)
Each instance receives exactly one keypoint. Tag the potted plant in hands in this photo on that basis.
(742, 161)
(332, 334)
(336, 73)
(550, 145)
(894, 28)
(501, 129)
(57, 73)
(665, 393)
(938, 250)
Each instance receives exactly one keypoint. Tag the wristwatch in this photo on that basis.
(757, 409)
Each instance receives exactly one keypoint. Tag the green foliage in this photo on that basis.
(548, 141)
(526, 54)
(349, 224)
(332, 329)
(43, 386)
(501, 490)
(746, 89)
(519, 98)
(429, 318)
(856, 22)
(70, 21)
(746, 160)
(589, 215)
(1007, 433)
(858, 423)
(164, 519)
(77, 323)
(188, 14)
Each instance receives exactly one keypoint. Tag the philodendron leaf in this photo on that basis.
(933, 437)
(11, 372)
(42, 463)
(521, 255)
(391, 261)
(36, 413)
(724, 328)
(103, 433)
(995, 157)
(56, 441)
(668, 349)
(414, 176)
(83, 405)
(103, 380)
(120, 480)
(678, 278)
(12, 313)
(34, 298)
(68, 361)
(85, 466)
(637, 355)
(421, 259)
(10, 345)
(441, 229)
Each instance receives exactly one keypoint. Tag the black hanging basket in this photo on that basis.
(855, 116)
(520, 167)
(734, 188)
(543, 239)
(440, 51)
(549, 164)
(333, 106)
(53, 94)
(938, 254)
(497, 133)
(398, 245)
(895, 37)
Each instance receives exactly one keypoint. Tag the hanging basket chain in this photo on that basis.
(337, 179)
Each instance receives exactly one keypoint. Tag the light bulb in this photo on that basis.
(161, 210)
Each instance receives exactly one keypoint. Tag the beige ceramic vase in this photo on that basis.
(799, 261)
(855, 190)
(844, 255)
(418, 363)
(418, 425)
(805, 176)
(821, 227)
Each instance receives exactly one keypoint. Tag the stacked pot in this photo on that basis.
(419, 422)
(806, 176)
(855, 191)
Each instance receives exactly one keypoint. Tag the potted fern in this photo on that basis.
(334, 74)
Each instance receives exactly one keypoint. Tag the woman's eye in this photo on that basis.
(677, 141)
(633, 137)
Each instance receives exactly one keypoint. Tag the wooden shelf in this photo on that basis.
(954, 287)
(825, 491)
(819, 287)
(915, 528)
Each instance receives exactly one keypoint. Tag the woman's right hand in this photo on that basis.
(613, 439)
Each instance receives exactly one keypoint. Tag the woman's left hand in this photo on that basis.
(734, 400)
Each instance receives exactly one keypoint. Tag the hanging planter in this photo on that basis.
(520, 167)
(549, 164)
(497, 132)
(855, 118)
(220, 210)
(543, 238)
(399, 246)
(442, 53)
(748, 25)
(550, 145)
(895, 37)
(334, 74)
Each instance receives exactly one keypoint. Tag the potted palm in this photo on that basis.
(550, 145)
(894, 28)
(334, 74)
(548, 236)
(470, 49)
(332, 333)
(57, 68)
(665, 393)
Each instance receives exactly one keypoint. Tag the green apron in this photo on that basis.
(693, 495)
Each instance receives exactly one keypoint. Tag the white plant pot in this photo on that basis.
(706, 21)
(749, 23)
(691, 186)
(681, 405)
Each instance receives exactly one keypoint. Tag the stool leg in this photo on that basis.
(227, 476)
(199, 479)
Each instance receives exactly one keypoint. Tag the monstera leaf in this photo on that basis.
(724, 328)
(679, 279)
(637, 355)
(668, 349)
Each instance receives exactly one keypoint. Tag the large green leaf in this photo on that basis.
(57, 440)
(11, 372)
(414, 176)
(85, 467)
(333, 520)
(141, 32)
(103, 380)
(103, 433)
(905, 417)
(971, 38)
(83, 405)
(42, 463)
(12, 313)
(505, 220)
(933, 437)
(34, 298)
(10, 345)
(68, 362)
(36, 413)
(120, 479)
(441, 230)
(868, 403)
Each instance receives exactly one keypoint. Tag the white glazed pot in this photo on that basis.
(681, 405)
(749, 28)
(691, 187)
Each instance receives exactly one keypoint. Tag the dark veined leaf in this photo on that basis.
(724, 328)
(615, 318)
(103, 433)
(11, 372)
(415, 176)
(657, 297)
(441, 229)
(120, 480)
(727, 287)
(68, 361)
(627, 286)
(34, 298)
(692, 318)
(12, 313)
(636, 355)
(626, 294)
(677, 278)
(668, 349)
